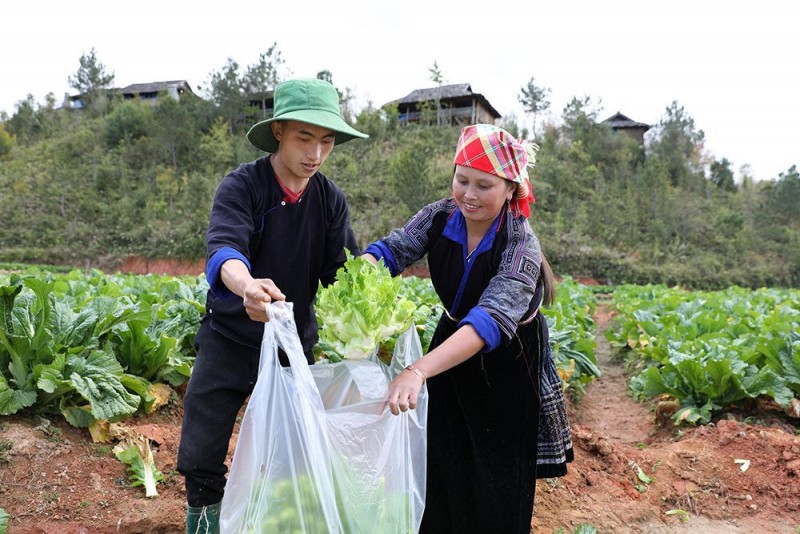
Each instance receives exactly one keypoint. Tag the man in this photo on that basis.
(278, 228)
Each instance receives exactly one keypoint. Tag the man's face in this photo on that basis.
(303, 147)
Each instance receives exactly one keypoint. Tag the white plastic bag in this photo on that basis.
(318, 450)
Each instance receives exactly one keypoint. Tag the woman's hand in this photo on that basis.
(370, 258)
(404, 389)
(404, 392)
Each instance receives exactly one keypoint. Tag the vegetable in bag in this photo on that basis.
(363, 307)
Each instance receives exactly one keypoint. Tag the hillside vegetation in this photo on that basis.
(91, 187)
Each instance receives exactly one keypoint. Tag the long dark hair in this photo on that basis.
(545, 271)
(548, 281)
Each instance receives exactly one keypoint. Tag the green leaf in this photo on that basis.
(7, 296)
(111, 313)
(141, 387)
(79, 416)
(643, 476)
(14, 400)
(682, 514)
(141, 467)
(97, 379)
(361, 308)
(50, 378)
(3, 521)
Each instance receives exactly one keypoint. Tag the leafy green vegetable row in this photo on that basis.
(572, 335)
(94, 347)
(710, 350)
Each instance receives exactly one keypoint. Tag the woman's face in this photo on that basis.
(480, 196)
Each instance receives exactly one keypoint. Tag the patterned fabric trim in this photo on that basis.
(517, 275)
(555, 437)
(411, 242)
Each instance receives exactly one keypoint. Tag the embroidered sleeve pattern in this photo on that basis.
(410, 243)
(509, 293)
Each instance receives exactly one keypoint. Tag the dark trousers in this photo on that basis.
(223, 376)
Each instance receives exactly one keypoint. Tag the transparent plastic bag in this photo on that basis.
(318, 450)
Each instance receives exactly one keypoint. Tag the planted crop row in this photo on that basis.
(710, 350)
(100, 347)
(572, 334)
(95, 347)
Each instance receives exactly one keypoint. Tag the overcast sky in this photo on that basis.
(733, 65)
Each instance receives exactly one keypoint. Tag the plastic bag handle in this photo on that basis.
(281, 331)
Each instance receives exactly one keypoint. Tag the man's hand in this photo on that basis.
(257, 294)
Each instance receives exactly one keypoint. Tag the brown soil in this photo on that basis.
(170, 266)
(691, 469)
(53, 479)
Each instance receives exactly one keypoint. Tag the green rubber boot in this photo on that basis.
(203, 519)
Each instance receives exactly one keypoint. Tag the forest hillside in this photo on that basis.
(91, 187)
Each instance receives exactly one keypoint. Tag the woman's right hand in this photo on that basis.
(404, 392)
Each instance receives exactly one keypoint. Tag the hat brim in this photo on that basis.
(260, 135)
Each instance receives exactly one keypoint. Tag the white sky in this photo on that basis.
(733, 65)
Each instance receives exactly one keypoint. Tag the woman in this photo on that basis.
(485, 367)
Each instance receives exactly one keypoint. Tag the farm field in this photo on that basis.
(631, 472)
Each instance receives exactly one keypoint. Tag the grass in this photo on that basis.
(18, 267)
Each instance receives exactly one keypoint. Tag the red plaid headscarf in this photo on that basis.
(494, 150)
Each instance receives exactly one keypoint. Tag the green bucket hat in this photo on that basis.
(305, 100)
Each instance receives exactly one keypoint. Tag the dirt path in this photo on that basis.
(607, 407)
(693, 486)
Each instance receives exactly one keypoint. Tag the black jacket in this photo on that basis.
(297, 245)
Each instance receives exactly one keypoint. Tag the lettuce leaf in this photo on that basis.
(136, 453)
(360, 309)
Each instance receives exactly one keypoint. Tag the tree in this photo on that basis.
(580, 117)
(326, 76)
(91, 79)
(438, 78)
(227, 92)
(722, 175)
(7, 142)
(784, 197)
(175, 131)
(679, 144)
(128, 121)
(264, 75)
(216, 152)
(534, 99)
(25, 124)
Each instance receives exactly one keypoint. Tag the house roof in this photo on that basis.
(445, 92)
(618, 120)
(139, 88)
(154, 87)
(431, 93)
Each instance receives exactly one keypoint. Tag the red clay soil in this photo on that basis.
(172, 267)
(53, 479)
